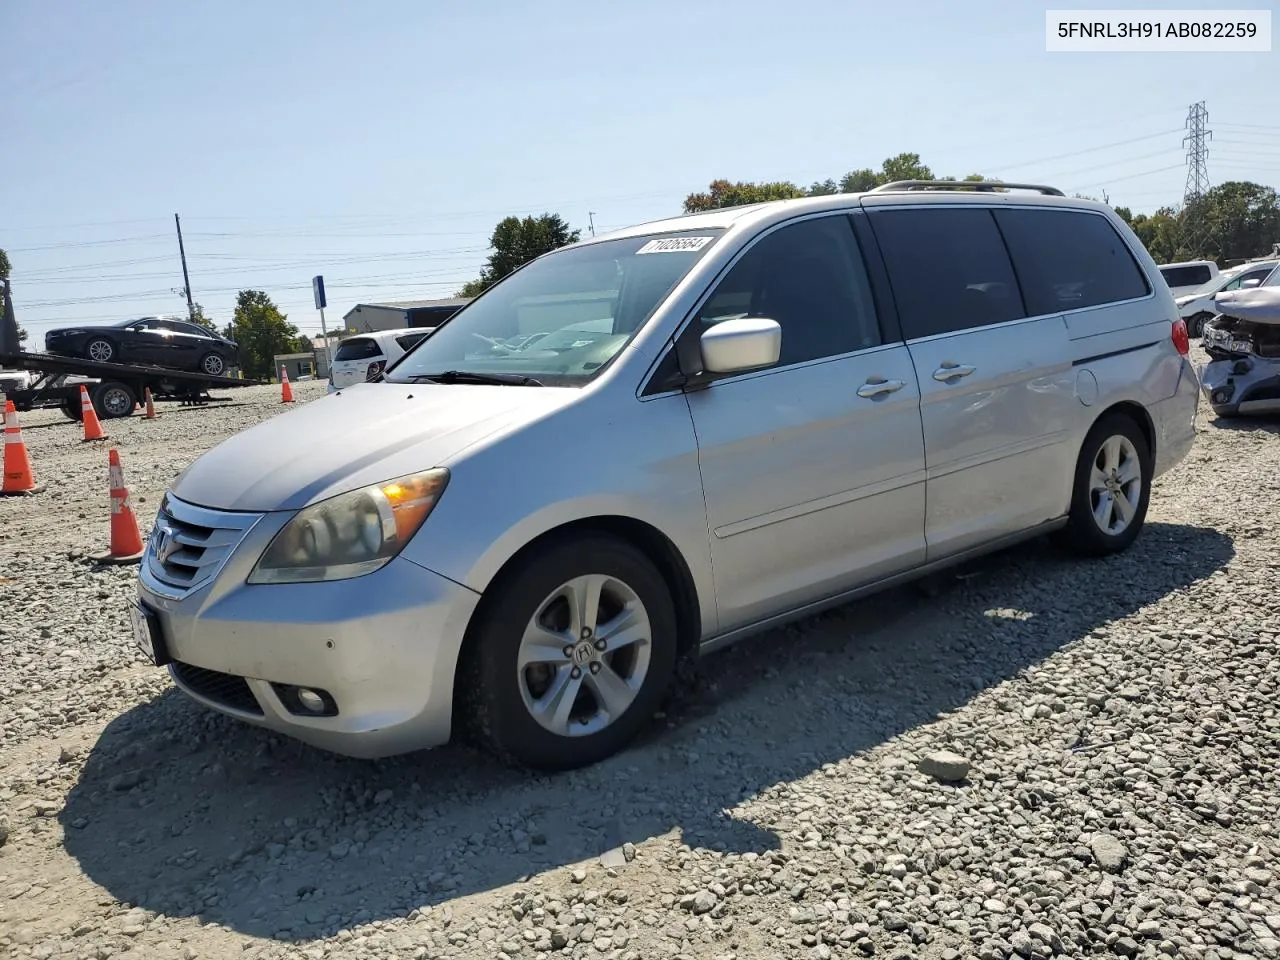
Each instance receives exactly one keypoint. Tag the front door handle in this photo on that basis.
(878, 387)
(952, 371)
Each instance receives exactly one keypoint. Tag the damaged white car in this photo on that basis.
(1243, 343)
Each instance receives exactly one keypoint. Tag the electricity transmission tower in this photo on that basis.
(1197, 143)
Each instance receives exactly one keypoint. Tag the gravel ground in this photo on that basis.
(1031, 757)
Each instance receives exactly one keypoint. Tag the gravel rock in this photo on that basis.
(1110, 853)
(944, 765)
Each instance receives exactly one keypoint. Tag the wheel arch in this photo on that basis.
(655, 545)
(1139, 415)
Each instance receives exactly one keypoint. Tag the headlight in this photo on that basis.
(351, 534)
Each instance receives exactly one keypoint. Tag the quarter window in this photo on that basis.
(810, 278)
(1067, 260)
(948, 268)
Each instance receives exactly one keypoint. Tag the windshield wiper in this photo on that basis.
(469, 376)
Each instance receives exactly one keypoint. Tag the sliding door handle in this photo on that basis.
(952, 371)
(878, 387)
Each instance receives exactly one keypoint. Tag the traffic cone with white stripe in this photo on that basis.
(19, 478)
(286, 391)
(92, 428)
(126, 541)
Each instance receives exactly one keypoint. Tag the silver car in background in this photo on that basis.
(692, 430)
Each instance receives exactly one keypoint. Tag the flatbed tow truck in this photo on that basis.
(114, 388)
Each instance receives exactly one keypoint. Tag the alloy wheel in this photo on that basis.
(584, 655)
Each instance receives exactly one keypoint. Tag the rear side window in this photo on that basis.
(409, 340)
(358, 348)
(948, 268)
(1067, 260)
(1186, 276)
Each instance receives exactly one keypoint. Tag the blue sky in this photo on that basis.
(379, 142)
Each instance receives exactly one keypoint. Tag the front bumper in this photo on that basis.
(1242, 385)
(382, 648)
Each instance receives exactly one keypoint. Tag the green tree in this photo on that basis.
(5, 268)
(201, 318)
(515, 242)
(1161, 233)
(823, 188)
(1233, 221)
(722, 193)
(262, 332)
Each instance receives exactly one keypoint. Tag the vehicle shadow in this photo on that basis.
(185, 813)
(1247, 424)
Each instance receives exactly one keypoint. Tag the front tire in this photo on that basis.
(213, 364)
(570, 656)
(100, 350)
(1111, 491)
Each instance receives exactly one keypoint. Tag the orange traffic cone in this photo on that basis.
(151, 405)
(92, 428)
(286, 391)
(126, 541)
(18, 475)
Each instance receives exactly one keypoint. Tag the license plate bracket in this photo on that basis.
(147, 634)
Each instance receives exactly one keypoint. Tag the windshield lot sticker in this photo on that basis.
(675, 245)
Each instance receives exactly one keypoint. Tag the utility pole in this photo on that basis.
(186, 280)
(591, 222)
(1196, 140)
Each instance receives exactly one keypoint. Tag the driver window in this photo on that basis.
(809, 277)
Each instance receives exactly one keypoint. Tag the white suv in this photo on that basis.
(365, 356)
(1188, 276)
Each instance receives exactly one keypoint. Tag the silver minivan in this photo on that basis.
(647, 445)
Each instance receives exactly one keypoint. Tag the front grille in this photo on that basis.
(224, 689)
(190, 544)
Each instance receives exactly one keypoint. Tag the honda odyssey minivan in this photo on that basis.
(760, 411)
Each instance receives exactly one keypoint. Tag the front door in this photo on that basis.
(813, 470)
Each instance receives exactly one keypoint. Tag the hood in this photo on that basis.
(362, 434)
(1184, 299)
(1257, 304)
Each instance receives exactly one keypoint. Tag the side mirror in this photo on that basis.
(1253, 282)
(747, 343)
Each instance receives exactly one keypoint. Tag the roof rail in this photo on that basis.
(983, 186)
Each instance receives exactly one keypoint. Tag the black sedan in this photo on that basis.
(162, 341)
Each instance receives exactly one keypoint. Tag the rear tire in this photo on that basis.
(553, 713)
(1195, 325)
(113, 400)
(1111, 490)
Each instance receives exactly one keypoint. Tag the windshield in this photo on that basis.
(1273, 278)
(560, 319)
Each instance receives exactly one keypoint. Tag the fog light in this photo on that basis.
(306, 701)
(311, 700)
(1221, 396)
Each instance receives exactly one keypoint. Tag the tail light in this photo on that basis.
(1181, 341)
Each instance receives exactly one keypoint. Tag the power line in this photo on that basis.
(1077, 153)
(1132, 176)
